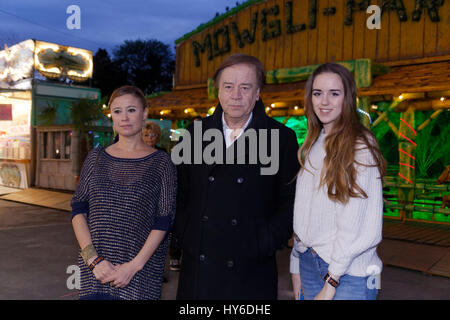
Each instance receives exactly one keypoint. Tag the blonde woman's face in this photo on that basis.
(127, 115)
(149, 137)
(327, 98)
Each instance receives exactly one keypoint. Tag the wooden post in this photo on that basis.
(363, 78)
(407, 152)
(75, 155)
(364, 105)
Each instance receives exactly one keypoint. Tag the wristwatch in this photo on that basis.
(334, 283)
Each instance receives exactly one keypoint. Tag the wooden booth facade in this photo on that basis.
(398, 51)
(40, 143)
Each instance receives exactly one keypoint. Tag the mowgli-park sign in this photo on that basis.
(271, 24)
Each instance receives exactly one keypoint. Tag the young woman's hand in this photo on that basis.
(296, 285)
(327, 292)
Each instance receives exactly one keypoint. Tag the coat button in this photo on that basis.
(205, 218)
(202, 257)
(233, 222)
(240, 180)
(230, 263)
(211, 179)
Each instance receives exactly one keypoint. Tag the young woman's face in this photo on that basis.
(327, 98)
(127, 114)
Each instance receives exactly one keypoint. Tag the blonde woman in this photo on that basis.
(123, 208)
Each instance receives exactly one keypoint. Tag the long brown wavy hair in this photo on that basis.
(341, 143)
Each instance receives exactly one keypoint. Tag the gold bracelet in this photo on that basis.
(88, 252)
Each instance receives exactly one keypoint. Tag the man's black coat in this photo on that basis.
(230, 219)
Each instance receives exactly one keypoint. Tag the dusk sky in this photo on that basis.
(105, 23)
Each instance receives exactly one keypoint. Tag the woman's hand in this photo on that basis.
(122, 274)
(102, 270)
(327, 292)
(296, 285)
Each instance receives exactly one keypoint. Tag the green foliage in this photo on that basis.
(165, 141)
(387, 140)
(47, 116)
(84, 111)
(433, 149)
(298, 124)
(146, 64)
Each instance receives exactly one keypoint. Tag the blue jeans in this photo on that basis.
(312, 271)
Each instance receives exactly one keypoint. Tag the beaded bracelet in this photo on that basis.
(95, 262)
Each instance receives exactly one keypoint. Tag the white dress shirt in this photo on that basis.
(227, 131)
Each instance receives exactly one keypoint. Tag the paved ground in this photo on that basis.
(37, 246)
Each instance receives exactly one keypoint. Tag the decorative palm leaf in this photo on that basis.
(47, 116)
(431, 148)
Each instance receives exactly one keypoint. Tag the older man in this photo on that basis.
(231, 217)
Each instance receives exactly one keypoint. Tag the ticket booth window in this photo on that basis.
(56, 152)
(56, 145)
(67, 144)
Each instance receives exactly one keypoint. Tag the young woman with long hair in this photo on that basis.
(338, 208)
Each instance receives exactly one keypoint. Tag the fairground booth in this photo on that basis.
(398, 51)
(41, 143)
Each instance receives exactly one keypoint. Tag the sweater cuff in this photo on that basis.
(162, 223)
(81, 207)
(294, 266)
(337, 269)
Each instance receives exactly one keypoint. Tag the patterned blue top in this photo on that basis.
(124, 200)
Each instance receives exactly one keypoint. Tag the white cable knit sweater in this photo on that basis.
(344, 236)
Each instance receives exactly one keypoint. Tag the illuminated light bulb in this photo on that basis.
(273, 105)
(400, 97)
(186, 110)
(161, 113)
(296, 107)
(442, 98)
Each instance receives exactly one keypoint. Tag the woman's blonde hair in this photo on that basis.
(338, 172)
(132, 90)
(154, 128)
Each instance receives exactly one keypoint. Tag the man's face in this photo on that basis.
(238, 92)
